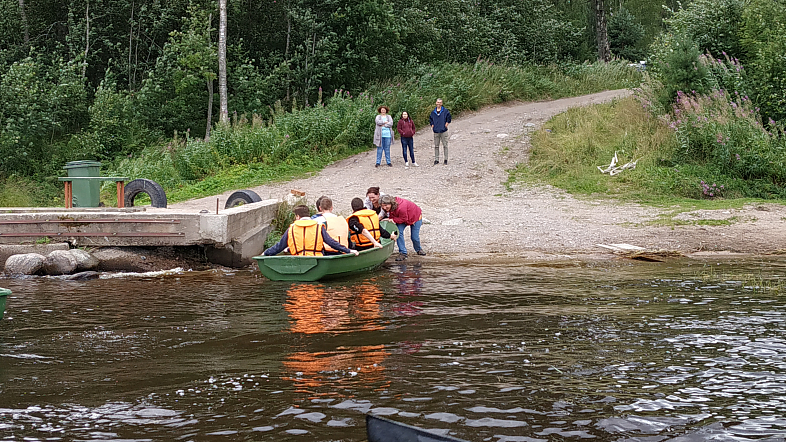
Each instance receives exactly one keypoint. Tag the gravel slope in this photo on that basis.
(470, 214)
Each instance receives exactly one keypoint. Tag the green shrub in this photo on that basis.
(723, 130)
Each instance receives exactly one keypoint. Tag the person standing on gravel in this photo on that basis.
(406, 128)
(439, 119)
(383, 134)
(404, 213)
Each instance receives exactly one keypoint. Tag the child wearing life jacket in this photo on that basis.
(306, 237)
(364, 227)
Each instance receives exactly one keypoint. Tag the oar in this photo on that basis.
(379, 429)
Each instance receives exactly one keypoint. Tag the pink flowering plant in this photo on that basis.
(711, 190)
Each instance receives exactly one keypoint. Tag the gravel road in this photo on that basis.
(471, 215)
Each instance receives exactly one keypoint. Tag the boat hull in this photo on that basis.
(3, 295)
(314, 268)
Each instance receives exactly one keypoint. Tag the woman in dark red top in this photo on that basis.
(406, 128)
(404, 213)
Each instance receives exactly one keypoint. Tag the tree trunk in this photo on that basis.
(130, 44)
(286, 51)
(87, 36)
(601, 31)
(25, 27)
(209, 109)
(222, 62)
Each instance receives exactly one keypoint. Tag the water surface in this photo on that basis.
(486, 352)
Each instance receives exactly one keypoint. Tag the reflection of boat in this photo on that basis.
(385, 430)
(313, 268)
(3, 294)
(315, 309)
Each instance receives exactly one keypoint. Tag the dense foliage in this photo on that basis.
(106, 79)
(719, 78)
(717, 87)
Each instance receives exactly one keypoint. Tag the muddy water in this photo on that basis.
(503, 353)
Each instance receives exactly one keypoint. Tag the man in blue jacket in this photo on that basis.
(439, 119)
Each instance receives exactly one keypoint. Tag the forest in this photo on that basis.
(132, 83)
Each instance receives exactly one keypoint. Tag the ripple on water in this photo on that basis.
(449, 418)
(492, 422)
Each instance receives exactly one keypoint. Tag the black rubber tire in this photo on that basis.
(149, 187)
(241, 197)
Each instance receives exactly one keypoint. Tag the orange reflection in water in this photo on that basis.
(341, 370)
(314, 309)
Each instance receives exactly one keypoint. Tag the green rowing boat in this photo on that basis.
(314, 268)
(3, 295)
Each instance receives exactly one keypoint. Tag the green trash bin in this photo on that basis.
(86, 192)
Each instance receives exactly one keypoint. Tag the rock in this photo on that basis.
(82, 276)
(502, 135)
(453, 222)
(7, 250)
(24, 264)
(60, 262)
(294, 200)
(84, 260)
(117, 259)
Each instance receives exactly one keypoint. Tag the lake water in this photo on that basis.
(508, 352)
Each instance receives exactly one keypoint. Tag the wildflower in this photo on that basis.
(738, 158)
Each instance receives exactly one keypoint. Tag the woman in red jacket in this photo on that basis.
(406, 128)
(404, 213)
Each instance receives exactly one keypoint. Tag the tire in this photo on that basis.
(149, 187)
(241, 197)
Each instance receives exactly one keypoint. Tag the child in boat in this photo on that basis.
(336, 225)
(360, 222)
(306, 237)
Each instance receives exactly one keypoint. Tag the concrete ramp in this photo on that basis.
(231, 237)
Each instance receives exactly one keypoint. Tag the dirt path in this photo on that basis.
(469, 210)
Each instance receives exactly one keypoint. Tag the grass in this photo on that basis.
(755, 282)
(669, 220)
(567, 150)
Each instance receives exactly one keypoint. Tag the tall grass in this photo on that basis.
(713, 151)
(298, 140)
(567, 150)
(18, 191)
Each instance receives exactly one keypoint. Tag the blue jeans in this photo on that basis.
(408, 141)
(414, 231)
(384, 145)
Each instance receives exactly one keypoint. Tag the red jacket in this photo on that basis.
(406, 128)
(407, 212)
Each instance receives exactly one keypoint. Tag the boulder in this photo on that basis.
(60, 262)
(112, 259)
(24, 264)
(84, 260)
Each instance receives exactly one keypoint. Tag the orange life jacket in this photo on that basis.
(370, 221)
(305, 238)
(338, 229)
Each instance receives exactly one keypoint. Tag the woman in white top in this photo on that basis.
(383, 134)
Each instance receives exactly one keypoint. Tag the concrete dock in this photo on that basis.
(230, 237)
